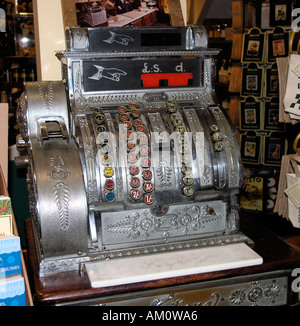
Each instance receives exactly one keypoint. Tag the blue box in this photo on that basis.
(10, 256)
(12, 291)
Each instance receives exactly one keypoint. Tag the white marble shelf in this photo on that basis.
(170, 264)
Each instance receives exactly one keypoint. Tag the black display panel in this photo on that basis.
(160, 39)
(136, 39)
(133, 74)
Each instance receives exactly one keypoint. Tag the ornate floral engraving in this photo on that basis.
(61, 194)
(265, 292)
(192, 219)
(46, 92)
(60, 190)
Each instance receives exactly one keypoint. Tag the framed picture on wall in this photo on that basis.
(278, 43)
(250, 147)
(271, 81)
(252, 80)
(280, 12)
(250, 114)
(271, 115)
(275, 145)
(253, 46)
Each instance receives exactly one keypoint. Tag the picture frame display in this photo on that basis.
(250, 147)
(275, 147)
(253, 46)
(280, 13)
(252, 80)
(271, 115)
(252, 194)
(271, 81)
(250, 114)
(278, 44)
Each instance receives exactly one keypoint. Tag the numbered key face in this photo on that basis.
(127, 125)
(110, 197)
(122, 109)
(135, 194)
(146, 162)
(109, 184)
(141, 129)
(108, 172)
(147, 175)
(132, 158)
(99, 118)
(149, 199)
(142, 139)
(136, 123)
(135, 113)
(135, 182)
(134, 170)
(145, 150)
(148, 187)
(124, 117)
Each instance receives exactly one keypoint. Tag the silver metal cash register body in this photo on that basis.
(129, 154)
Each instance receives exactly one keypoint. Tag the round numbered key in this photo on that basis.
(146, 162)
(135, 194)
(133, 106)
(174, 116)
(101, 129)
(188, 191)
(105, 148)
(141, 129)
(187, 181)
(177, 122)
(127, 125)
(129, 135)
(99, 119)
(142, 139)
(149, 199)
(103, 138)
(186, 169)
(107, 159)
(147, 175)
(171, 106)
(130, 146)
(132, 158)
(135, 182)
(145, 150)
(137, 123)
(108, 172)
(134, 170)
(122, 109)
(124, 117)
(109, 184)
(148, 187)
(135, 113)
(97, 111)
(110, 196)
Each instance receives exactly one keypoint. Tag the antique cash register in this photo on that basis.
(129, 155)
